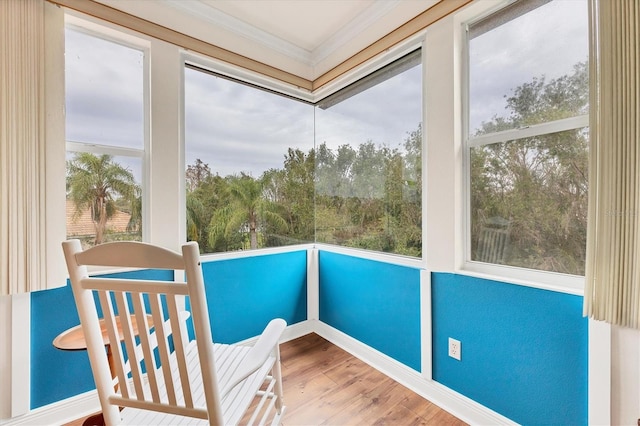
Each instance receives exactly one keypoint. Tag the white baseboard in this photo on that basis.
(298, 330)
(59, 412)
(460, 406)
(291, 332)
(455, 403)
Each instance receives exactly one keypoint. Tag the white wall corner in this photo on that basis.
(426, 346)
(20, 346)
(313, 285)
(5, 357)
(445, 176)
(624, 369)
(440, 145)
(165, 156)
(599, 382)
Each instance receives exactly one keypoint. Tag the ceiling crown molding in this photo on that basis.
(207, 12)
(358, 25)
(373, 31)
(218, 18)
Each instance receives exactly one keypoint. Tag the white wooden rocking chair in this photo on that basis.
(159, 376)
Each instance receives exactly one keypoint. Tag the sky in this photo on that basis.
(235, 128)
(546, 41)
(104, 92)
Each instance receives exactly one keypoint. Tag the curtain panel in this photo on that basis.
(612, 287)
(24, 115)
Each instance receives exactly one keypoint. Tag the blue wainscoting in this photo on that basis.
(374, 302)
(244, 294)
(56, 374)
(524, 350)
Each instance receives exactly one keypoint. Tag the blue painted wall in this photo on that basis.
(524, 350)
(374, 302)
(57, 374)
(243, 295)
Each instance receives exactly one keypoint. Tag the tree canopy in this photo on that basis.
(366, 196)
(535, 188)
(102, 186)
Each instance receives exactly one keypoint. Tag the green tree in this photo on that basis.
(247, 211)
(298, 194)
(366, 196)
(334, 172)
(410, 227)
(536, 186)
(96, 183)
(370, 196)
(197, 174)
(135, 215)
(196, 216)
(206, 193)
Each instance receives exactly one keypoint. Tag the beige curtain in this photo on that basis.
(612, 288)
(23, 131)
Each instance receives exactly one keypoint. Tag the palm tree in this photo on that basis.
(95, 183)
(135, 220)
(196, 212)
(247, 209)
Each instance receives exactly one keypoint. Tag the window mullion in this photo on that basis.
(104, 149)
(531, 131)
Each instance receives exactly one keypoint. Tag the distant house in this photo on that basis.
(82, 226)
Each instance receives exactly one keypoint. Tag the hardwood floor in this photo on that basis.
(325, 385)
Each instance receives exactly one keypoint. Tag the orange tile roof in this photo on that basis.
(83, 225)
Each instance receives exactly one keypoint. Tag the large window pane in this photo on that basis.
(105, 132)
(529, 201)
(249, 168)
(512, 62)
(528, 144)
(368, 167)
(104, 91)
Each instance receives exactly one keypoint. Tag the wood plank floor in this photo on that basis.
(325, 385)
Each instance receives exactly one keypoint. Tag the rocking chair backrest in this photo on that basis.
(145, 315)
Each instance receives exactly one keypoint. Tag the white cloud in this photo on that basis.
(236, 128)
(104, 91)
(546, 41)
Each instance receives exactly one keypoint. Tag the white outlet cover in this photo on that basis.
(455, 349)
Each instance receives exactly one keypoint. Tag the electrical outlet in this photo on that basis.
(455, 349)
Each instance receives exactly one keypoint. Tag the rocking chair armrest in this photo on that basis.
(259, 353)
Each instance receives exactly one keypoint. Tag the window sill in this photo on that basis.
(562, 283)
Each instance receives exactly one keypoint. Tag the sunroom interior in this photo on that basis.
(406, 80)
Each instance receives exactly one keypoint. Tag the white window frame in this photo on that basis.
(104, 32)
(567, 283)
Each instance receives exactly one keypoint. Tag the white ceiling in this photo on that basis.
(303, 37)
